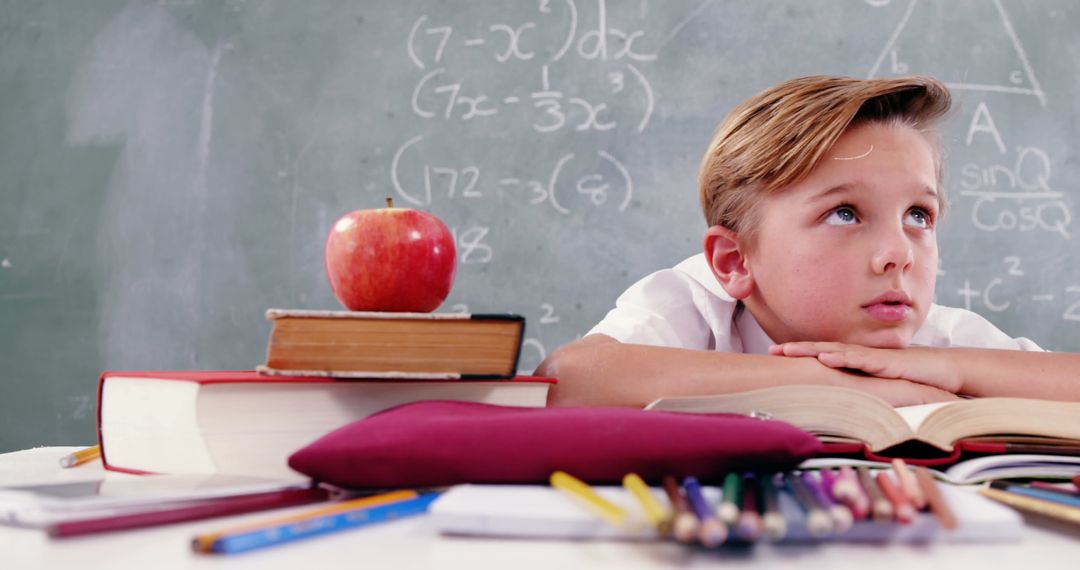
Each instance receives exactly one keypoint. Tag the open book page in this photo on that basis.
(821, 410)
(914, 415)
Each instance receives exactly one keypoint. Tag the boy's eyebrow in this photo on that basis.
(849, 187)
(828, 192)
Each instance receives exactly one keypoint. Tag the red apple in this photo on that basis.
(390, 259)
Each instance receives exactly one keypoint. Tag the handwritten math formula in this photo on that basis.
(1014, 192)
(612, 96)
(1008, 290)
(621, 94)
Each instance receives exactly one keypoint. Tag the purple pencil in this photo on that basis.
(840, 514)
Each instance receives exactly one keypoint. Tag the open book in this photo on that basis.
(838, 414)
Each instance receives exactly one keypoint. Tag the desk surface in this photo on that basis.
(413, 544)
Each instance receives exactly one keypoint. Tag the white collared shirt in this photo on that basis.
(685, 307)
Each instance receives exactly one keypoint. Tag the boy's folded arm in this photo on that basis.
(970, 371)
(600, 371)
(1015, 373)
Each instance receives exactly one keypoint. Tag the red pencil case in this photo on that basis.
(438, 443)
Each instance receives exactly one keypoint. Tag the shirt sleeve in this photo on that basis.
(667, 308)
(962, 328)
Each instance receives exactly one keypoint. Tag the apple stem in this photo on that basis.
(389, 202)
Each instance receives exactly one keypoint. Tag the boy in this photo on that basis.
(822, 196)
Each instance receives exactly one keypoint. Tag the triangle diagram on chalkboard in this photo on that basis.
(968, 44)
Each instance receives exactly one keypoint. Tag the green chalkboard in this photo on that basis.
(169, 169)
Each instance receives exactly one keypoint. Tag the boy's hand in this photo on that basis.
(922, 365)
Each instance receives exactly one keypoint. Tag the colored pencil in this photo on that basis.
(748, 526)
(1055, 488)
(80, 457)
(828, 482)
(655, 513)
(1052, 496)
(818, 522)
(728, 511)
(195, 511)
(938, 505)
(713, 531)
(909, 484)
(377, 509)
(1033, 505)
(880, 506)
(773, 523)
(585, 496)
(841, 516)
(902, 508)
(848, 491)
(684, 525)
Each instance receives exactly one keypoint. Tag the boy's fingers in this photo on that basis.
(905, 393)
(838, 360)
(858, 360)
(802, 348)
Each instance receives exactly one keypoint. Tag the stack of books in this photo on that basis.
(324, 369)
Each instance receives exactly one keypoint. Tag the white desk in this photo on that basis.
(412, 544)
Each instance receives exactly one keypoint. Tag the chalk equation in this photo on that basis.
(1012, 195)
(548, 107)
(599, 179)
(1009, 291)
(427, 43)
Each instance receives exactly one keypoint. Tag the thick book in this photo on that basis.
(246, 423)
(393, 345)
(849, 420)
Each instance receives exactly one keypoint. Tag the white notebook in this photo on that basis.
(526, 511)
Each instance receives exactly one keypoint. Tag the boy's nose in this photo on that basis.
(894, 252)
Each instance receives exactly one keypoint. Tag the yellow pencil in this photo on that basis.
(584, 494)
(1033, 505)
(204, 542)
(79, 457)
(655, 513)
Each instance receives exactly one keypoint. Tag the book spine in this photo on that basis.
(100, 439)
(517, 351)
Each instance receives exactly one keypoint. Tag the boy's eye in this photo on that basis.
(842, 216)
(918, 217)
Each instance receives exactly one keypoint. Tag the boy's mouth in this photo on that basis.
(890, 306)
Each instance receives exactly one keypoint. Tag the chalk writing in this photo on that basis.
(1002, 293)
(1014, 197)
(471, 246)
(602, 179)
(1020, 80)
(441, 94)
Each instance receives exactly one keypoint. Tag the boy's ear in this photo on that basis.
(727, 262)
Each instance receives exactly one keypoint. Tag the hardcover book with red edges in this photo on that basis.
(962, 450)
(241, 422)
(853, 422)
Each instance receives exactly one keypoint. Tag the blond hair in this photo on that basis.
(775, 138)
